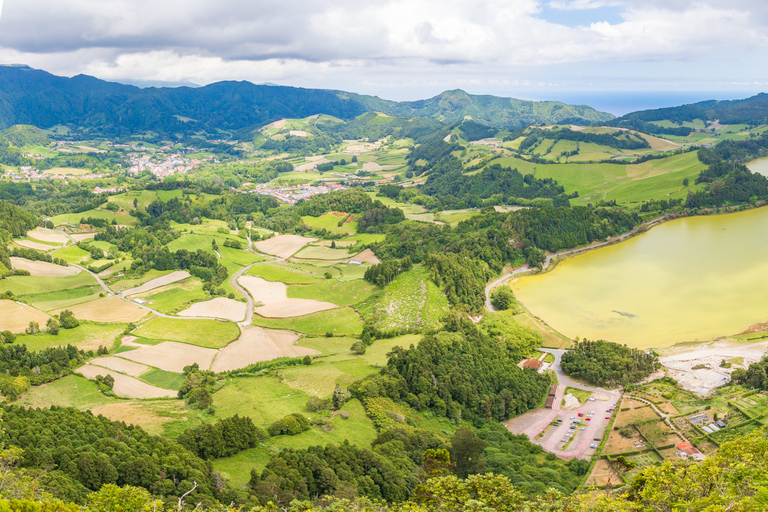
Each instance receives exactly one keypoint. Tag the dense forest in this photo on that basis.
(606, 364)
(462, 373)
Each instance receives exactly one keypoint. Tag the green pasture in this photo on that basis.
(337, 321)
(358, 429)
(74, 218)
(455, 216)
(407, 208)
(281, 273)
(331, 223)
(203, 333)
(346, 293)
(177, 296)
(132, 282)
(23, 286)
(64, 298)
(313, 252)
(367, 238)
(412, 300)
(72, 254)
(86, 334)
(241, 257)
(163, 379)
(70, 391)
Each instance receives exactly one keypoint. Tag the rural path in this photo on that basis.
(249, 310)
(662, 415)
(527, 268)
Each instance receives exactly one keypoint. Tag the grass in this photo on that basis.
(376, 354)
(337, 321)
(279, 273)
(126, 283)
(163, 379)
(72, 254)
(70, 391)
(367, 238)
(358, 429)
(330, 223)
(74, 218)
(346, 293)
(177, 296)
(85, 335)
(407, 208)
(455, 216)
(412, 300)
(312, 252)
(239, 256)
(23, 286)
(322, 377)
(64, 298)
(203, 333)
(580, 394)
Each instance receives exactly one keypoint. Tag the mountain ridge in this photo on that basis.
(88, 104)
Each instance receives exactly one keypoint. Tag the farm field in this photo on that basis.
(174, 297)
(255, 345)
(43, 269)
(157, 282)
(126, 386)
(220, 307)
(108, 309)
(283, 246)
(204, 333)
(16, 317)
(86, 336)
(170, 356)
(336, 321)
(412, 300)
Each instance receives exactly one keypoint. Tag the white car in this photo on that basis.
(593, 445)
(582, 428)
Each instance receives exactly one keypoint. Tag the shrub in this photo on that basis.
(290, 425)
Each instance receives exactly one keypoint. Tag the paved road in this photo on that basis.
(526, 268)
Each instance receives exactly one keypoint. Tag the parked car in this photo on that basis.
(593, 445)
(589, 419)
(582, 428)
(581, 414)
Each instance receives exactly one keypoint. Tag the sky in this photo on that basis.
(609, 52)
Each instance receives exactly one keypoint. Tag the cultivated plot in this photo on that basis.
(170, 355)
(276, 303)
(126, 386)
(16, 317)
(108, 309)
(157, 282)
(43, 268)
(220, 307)
(283, 246)
(257, 344)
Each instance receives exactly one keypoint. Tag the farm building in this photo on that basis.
(550, 402)
(687, 450)
(553, 390)
(532, 363)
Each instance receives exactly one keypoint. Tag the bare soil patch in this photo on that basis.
(635, 416)
(157, 282)
(120, 365)
(15, 317)
(367, 256)
(293, 307)
(136, 414)
(602, 475)
(266, 292)
(372, 167)
(571, 402)
(108, 309)
(170, 355)
(220, 307)
(668, 408)
(125, 385)
(42, 268)
(283, 246)
(36, 246)
(48, 235)
(299, 133)
(257, 344)
(79, 237)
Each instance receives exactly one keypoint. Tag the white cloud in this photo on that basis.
(337, 42)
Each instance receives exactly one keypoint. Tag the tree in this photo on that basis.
(67, 319)
(111, 498)
(466, 452)
(503, 298)
(7, 337)
(52, 326)
(33, 328)
(199, 398)
(358, 348)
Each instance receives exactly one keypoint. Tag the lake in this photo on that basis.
(760, 166)
(689, 279)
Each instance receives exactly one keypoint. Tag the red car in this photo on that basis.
(607, 417)
(581, 414)
(589, 419)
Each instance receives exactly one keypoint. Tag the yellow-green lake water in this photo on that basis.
(689, 279)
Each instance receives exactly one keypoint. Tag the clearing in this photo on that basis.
(158, 282)
(15, 317)
(42, 268)
(108, 309)
(125, 385)
(170, 355)
(220, 307)
(283, 246)
(258, 344)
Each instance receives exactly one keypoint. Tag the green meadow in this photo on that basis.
(203, 333)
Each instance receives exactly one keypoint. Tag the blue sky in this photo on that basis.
(406, 49)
